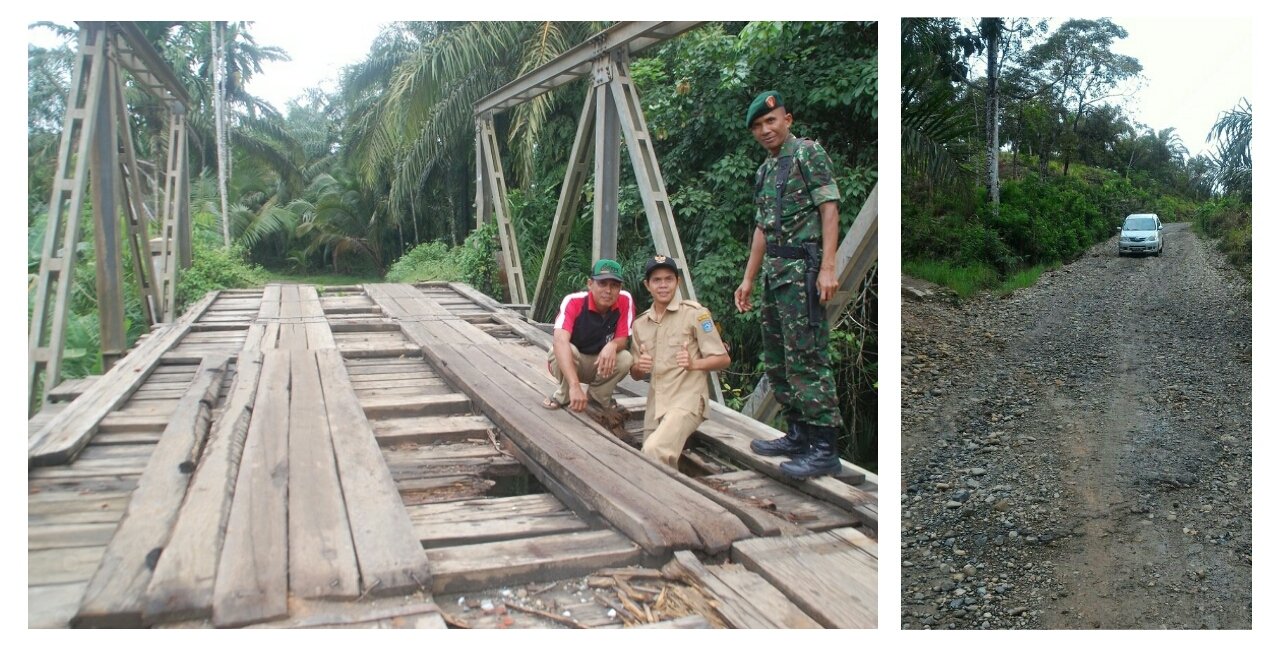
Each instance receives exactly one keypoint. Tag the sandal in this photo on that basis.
(551, 404)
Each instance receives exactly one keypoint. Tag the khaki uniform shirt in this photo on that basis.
(672, 386)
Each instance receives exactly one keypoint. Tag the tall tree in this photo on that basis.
(1076, 62)
(1233, 159)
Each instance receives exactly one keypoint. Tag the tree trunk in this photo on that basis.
(219, 87)
(991, 29)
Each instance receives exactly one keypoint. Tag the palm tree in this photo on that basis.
(1233, 159)
(411, 101)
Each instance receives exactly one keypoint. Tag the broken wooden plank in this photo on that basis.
(182, 587)
(544, 558)
(811, 513)
(492, 519)
(744, 604)
(115, 593)
(319, 613)
(738, 446)
(830, 579)
(252, 579)
(390, 557)
(62, 437)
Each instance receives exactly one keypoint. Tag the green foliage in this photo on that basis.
(1230, 220)
(964, 280)
(215, 268)
(427, 262)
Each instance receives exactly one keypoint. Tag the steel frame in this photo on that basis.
(611, 114)
(97, 147)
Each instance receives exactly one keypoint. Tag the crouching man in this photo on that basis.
(676, 344)
(590, 341)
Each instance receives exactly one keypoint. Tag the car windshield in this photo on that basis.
(1145, 223)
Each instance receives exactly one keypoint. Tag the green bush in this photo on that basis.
(215, 268)
(1231, 222)
(431, 261)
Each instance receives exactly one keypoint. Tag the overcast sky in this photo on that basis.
(1194, 68)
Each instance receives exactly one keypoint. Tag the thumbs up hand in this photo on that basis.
(644, 363)
(682, 356)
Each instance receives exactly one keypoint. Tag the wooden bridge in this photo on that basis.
(376, 456)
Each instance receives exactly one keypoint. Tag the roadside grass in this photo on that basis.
(1024, 278)
(969, 279)
(964, 280)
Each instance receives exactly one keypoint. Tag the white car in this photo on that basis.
(1141, 234)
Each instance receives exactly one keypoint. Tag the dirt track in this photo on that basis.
(1078, 455)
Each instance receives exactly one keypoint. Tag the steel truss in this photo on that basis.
(611, 114)
(97, 146)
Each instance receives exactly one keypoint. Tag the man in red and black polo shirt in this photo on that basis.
(591, 335)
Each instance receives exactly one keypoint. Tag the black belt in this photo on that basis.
(785, 252)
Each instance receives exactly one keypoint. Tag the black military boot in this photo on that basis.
(793, 444)
(820, 460)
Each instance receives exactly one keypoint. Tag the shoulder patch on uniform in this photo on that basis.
(704, 321)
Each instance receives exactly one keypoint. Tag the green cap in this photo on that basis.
(606, 269)
(764, 102)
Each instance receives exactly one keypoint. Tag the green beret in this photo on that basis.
(764, 102)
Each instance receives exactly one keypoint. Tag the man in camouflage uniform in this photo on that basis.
(795, 240)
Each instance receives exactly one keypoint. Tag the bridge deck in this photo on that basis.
(284, 458)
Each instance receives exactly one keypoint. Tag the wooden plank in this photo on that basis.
(317, 328)
(322, 559)
(51, 607)
(830, 579)
(115, 593)
(112, 438)
(183, 584)
(320, 613)
(744, 603)
(857, 501)
(687, 622)
(427, 430)
(71, 389)
(124, 422)
(252, 578)
(492, 519)
(293, 333)
(431, 404)
(617, 482)
(381, 350)
(62, 565)
(390, 557)
(62, 438)
(545, 558)
(792, 505)
(77, 535)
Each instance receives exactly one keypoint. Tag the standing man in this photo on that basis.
(590, 340)
(677, 345)
(795, 239)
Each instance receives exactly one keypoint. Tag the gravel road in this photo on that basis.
(1078, 455)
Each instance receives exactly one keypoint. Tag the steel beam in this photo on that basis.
(136, 218)
(58, 258)
(578, 61)
(575, 175)
(854, 258)
(653, 191)
(608, 167)
(106, 191)
(134, 52)
(498, 198)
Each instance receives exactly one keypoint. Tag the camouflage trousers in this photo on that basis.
(796, 357)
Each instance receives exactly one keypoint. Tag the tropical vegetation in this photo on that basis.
(377, 177)
(1017, 152)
